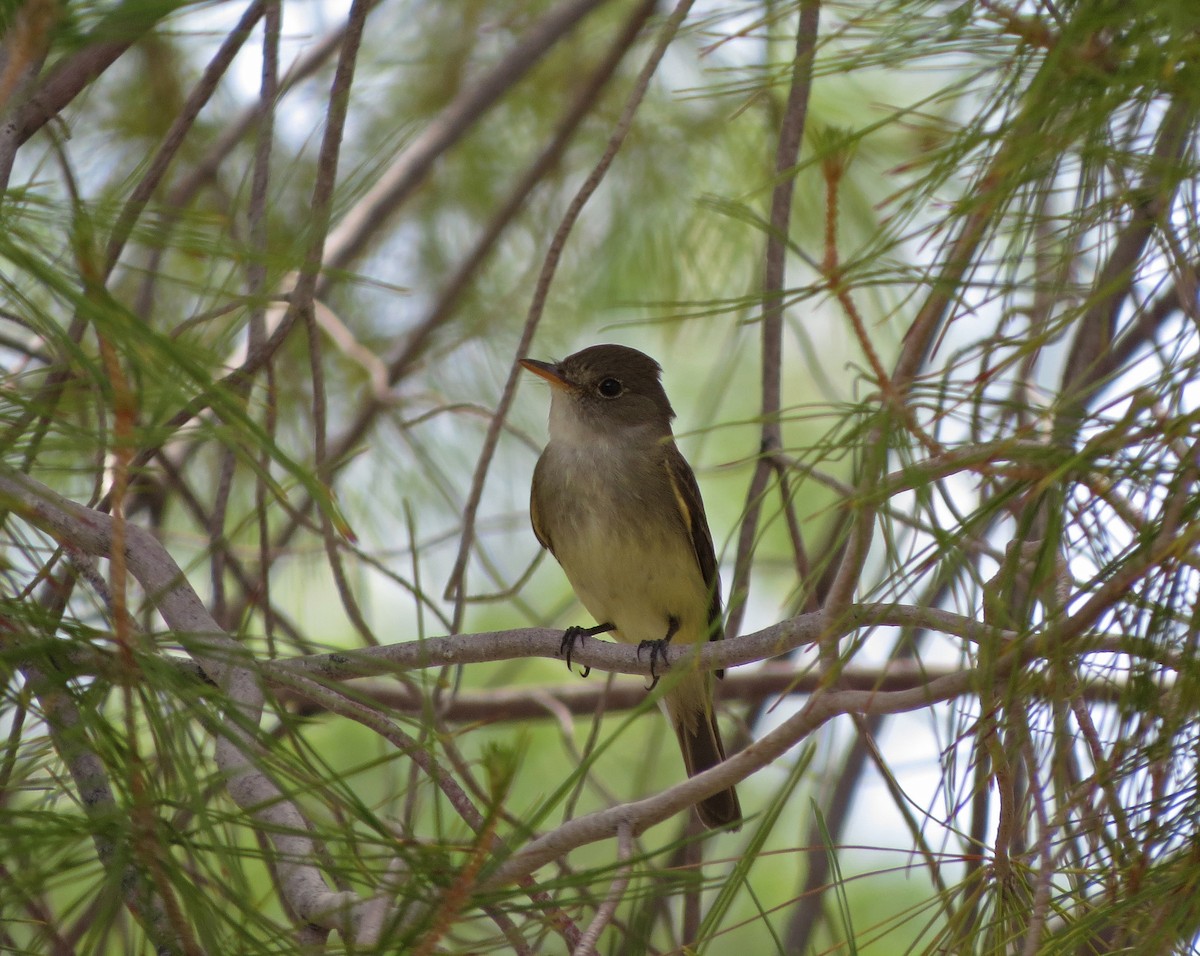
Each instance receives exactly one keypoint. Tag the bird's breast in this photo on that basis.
(614, 525)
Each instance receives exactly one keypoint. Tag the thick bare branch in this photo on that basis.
(238, 752)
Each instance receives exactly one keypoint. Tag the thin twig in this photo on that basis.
(1043, 887)
(216, 534)
(161, 161)
(787, 151)
(256, 281)
(616, 892)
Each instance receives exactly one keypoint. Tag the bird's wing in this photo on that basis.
(539, 531)
(691, 509)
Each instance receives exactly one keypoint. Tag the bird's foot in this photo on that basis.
(658, 650)
(572, 635)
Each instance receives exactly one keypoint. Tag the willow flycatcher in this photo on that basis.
(619, 508)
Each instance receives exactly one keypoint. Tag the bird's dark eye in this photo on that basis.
(611, 387)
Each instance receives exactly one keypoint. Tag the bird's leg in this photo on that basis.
(576, 633)
(658, 649)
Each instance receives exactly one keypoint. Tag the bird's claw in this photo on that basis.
(571, 636)
(658, 652)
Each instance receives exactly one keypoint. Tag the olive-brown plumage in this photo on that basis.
(619, 508)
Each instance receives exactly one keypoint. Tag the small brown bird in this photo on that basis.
(619, 508)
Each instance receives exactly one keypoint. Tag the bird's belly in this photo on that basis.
(637, 581)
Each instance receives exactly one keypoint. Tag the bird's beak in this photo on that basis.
(549, 371)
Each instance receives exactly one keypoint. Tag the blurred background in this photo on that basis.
(265, 273)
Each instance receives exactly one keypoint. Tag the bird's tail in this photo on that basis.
(689, 705)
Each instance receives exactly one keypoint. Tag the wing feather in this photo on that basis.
(691, 508)
(539, 531)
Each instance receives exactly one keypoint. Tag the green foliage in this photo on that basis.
(986, 348)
